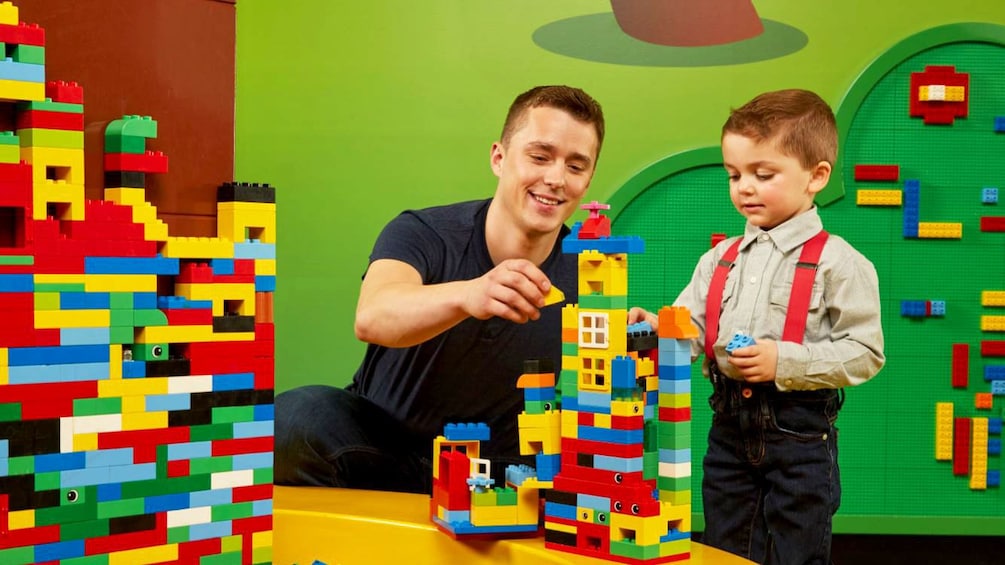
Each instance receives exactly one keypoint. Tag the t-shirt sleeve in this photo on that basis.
(409, 239)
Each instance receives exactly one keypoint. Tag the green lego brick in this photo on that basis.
(650, 465)
(175, 485)
(82, 511)
(178, 534)
(150, 352)
(120, 300)
(96, 406)
(121, 319)
(58, 138)
(134, 144)
(151, 317)
(233, 558)
(535, 406)
(21, 465)
(10, 411)
(59, 287)
(632, 550)
(506, 497)
(102, 559)
(121, 334)
(47, 481)
(132, 506)
(49, 106)
(650, 433)
(570, 349)
(601, 518)
(601, 302)
(8, 138)
(132, 125)
(211, 432)
(17, 260)
(675, 484)
(222, 512)
(18, 555)
(207, 465)
(31, 54)
(83, 530)
(232, 414)
(263, 476)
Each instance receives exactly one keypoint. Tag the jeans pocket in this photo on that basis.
(804, 419)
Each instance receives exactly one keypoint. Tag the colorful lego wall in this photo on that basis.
(389, 107)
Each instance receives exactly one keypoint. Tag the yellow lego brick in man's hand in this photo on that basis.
(554, 296)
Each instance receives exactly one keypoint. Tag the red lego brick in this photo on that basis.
(993, 223)
(961, 365)
(992, 348)
(454, 469)
(22, 34)
(251, 492)
(585, 418)
(195, 273)
(62, 91)
(30, 536)
(132, 540)
(717, 238)
(149, 162)
(241, 446)
(192, 551)
(265, 332)
(961, 446)
(178, 468)
(628, 422)
(252, 524)
(189, 316)
(44, 119)
(144, 442)
(602, 448)
(942, 112)
(667, 414)
(877, 172)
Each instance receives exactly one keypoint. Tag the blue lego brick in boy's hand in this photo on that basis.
(739, 340)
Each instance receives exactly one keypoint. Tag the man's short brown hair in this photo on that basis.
(571, 100)
(798, 121)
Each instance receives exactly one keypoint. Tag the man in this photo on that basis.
(451, 305)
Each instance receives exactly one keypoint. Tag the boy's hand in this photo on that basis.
(636, 315)
(756, 363)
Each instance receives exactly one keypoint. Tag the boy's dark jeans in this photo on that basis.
(771, 483)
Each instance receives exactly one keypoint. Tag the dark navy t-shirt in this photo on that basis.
(468, 373)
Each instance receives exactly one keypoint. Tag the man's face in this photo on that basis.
(544, 169)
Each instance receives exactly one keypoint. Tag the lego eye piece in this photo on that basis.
(635, 509)
(157, 351)
(617, 505)
(618, 478)
(602, 517)
(547, 406)
(71, 496)
(635, 408)
(586, 515)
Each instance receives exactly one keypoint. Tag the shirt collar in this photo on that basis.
(789, 235)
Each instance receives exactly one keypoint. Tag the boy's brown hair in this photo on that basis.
(798, 121)
(574, 101)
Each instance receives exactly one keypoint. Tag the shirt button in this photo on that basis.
(763, 237)
(746, 392)
(788, 382)
(753, 280)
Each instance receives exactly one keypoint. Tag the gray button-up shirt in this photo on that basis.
(843, 344)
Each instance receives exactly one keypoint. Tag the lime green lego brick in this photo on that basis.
(150, 352)
(58, 138)
(233, 558)
(83, 530)
(263, 476)
(211, 432)
(10, 154)
(570, 349)
(674, 400)
(487, 498)
(125, 144)
(87, 560)
(121, 334)
(10, 411)
(222, 512)
(601, 302)
(96, 406)
(207, 465)
(151, 317)
(232, 414)
(59, 287)
(31, 54)
(178, 534)
(231, 543)
(21, 466)
(132, 506)
(47, 301)
(132, 125)
(261, 555)
(18, 555)
(120, 300)
(49, 106)
(632, 550)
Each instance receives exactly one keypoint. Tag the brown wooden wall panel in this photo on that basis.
(169, 59)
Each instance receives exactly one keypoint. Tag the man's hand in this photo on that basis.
(514, 290)
(756, 363)
(636, 315)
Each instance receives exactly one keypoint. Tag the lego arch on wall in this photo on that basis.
(894, 481)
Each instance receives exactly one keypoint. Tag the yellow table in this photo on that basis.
(358, 527)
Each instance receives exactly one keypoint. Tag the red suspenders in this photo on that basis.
(799, 298)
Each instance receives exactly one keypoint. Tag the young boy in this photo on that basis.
(771, 481)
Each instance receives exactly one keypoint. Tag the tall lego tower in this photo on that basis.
(622, 491)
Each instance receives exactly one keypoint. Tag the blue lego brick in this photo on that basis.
(998, 388)
(261, 507)
(210, 530)
(48, 462)
(264, 412)
(913, 308)
(189, 450)
(66, 373)
(995, 426)
(613, 244)
(739, 340)
(675, 455)
(467, 432)
(673, 372)
(570, 402)
(211, 497)
(556, 510)
(994, 446)
(145, 300)
(17, 283)
(938, 308)
(85, 336)
(168, 402)
(59, 550)
(674, 535)
(1000, 124)
(86, 477)
(253, 429)
(234, 381)
(623, 372)
(547, 465)
(620, 437)
(989, 195)
(165, 502)
(109, 457)
(641, 327)
(134, 369)
(620, 464)
(601, 503)
(131, 266)
(465, 528)
(222, 266)
(254, 250)
(21, 72)
(84, 300)
(994, 478)
(265, 283)
(536, 394)
(247, 461)
(674, 386)
(594, 402)
(994, 372)
(674, 351)
(113, 491)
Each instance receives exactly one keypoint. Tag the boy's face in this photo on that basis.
(544, 169)
(767, 186)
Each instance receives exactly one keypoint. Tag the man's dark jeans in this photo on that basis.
(771, 483)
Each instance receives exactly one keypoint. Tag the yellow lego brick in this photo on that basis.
(627, 407)
(584, 514)
(268, 267)
(4, 364)
(120, 283)
(115, 360)
(955, 94)
(603, 273)
(132, 387)
(943, 431)
(241, 294)
(85, 442)
(870, 197)
(556, 527)
(645, 367)
(144, 555)
(540, 433)
(602, 421)
(21, 519)
(570, 362)
(527, 504)
(46, 192)
(570, 424)
(8, 14)
(132, 404)
(188, 334)
(993, 323)
(240, 221)
(144, 420)
(57, 319)
(646, 530)
(60, 279)
(675, 497)
(144, 213)
(940, 230)
(674, 400)
(126, 195)
(261, 554)
(19, 90)
(261, 539)
(570, 317)
(198, 248)
(493, 515)
(553, 296)
(675, 547)
(54, 163)
(993, 298)
(677, 515)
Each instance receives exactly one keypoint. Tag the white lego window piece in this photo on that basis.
(593, 330)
